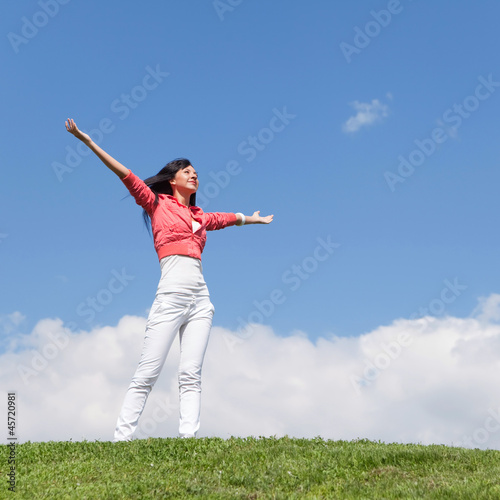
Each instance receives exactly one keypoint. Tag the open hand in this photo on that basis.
(257, 219)
(73, 129)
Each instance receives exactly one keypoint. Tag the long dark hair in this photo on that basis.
(160, 184)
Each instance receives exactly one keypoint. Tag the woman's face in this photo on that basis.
(186, 179)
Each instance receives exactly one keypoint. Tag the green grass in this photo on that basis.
(250, 468)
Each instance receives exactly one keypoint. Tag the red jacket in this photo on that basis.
(171, 221)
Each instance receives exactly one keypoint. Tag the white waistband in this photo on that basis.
(182, 274)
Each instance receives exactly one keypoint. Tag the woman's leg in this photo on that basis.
(194, 336)
(167, 314)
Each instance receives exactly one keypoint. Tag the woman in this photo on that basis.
(182, 303)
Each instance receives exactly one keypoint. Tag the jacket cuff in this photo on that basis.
(232, 219)
(128, 180)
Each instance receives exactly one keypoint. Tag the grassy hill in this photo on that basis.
(249, 468)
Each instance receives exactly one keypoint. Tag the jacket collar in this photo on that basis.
(193, 208)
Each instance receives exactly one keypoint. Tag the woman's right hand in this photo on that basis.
(73, 129)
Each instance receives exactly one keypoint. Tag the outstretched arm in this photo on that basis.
(115, 166)
(220, 220)
(253, 219)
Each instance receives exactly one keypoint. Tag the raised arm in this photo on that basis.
(115, 166)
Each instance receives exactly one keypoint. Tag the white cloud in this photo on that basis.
(367, 114)
(488, 308)
(425, 380)
(9, 323)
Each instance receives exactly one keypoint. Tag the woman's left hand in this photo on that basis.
(257, 219)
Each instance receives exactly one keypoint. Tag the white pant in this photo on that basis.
(191, 316)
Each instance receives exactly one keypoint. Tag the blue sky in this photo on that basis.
(217, 79)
